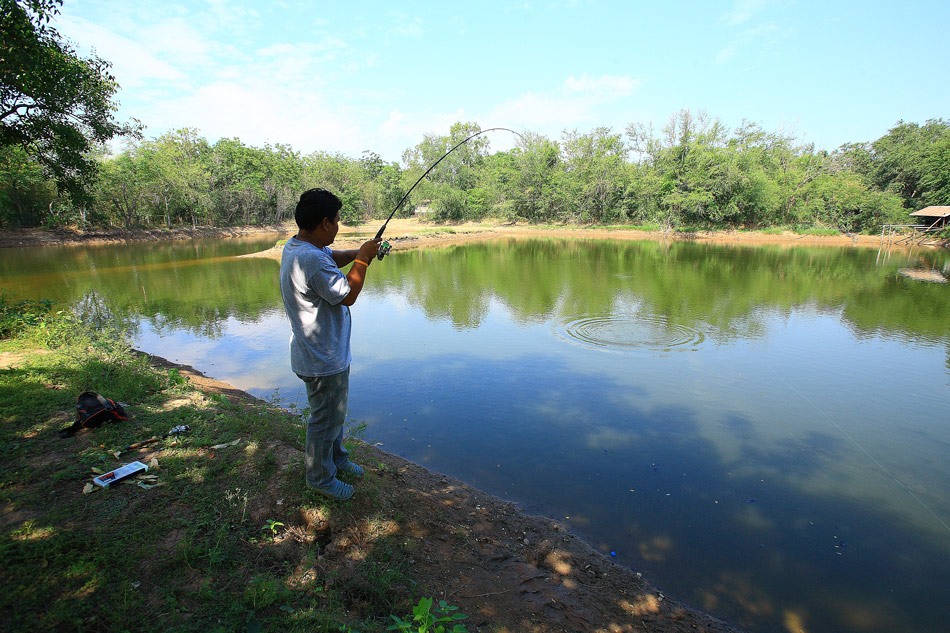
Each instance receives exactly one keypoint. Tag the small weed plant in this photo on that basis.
(428, 617)
(272, 526)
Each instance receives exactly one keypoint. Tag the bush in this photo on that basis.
(16, 317)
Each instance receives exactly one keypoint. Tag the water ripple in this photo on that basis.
(633, 332)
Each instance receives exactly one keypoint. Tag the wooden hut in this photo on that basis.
(933, 220)
(933, 217)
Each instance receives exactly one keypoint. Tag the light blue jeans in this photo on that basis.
(327, 397)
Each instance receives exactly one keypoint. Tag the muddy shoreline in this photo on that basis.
(411, 233)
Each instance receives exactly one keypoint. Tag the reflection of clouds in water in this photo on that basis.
(235, 357)
(752, 517)
(178, 346)
(606, 438)
(742, 590)
(656, 549)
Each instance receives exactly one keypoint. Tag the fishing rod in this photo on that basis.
(385, 247)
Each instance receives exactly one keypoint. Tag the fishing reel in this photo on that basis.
(384, 249)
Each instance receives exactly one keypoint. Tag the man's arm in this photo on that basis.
(342, 258)
(361, 259)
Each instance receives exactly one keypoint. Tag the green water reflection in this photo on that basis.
(191, 284)
(695, 285)
(763, 430)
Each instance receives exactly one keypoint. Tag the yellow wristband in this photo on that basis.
(360, 261)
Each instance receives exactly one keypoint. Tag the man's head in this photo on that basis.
(315, 206)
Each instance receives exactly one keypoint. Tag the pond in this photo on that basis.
(763, 431)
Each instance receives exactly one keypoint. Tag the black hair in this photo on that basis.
(315, 205)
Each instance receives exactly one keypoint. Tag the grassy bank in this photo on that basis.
(222, 537)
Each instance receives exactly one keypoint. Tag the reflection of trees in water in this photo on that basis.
(93, 309)
(211, 328)
(727, 291)
(197, 297)
(722, 291)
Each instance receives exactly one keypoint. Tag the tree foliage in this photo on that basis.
(694, 173)
(54, 104)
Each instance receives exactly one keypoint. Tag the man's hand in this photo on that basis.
(369, 249)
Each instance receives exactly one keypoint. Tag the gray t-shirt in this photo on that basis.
(312, 287)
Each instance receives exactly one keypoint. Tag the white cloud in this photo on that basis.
(133, 64)
(742, 11)
(404, 25)
(177, 40)
(260, 112)
(179, 68)
(606, 86)
(546, 110)
(401, 131)
(575, 102)
(726, 53)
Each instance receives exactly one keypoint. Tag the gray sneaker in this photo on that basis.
(337, 490)
(350, 469)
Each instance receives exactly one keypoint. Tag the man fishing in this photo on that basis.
(317, 298)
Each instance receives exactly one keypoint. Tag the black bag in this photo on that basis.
(92, 411)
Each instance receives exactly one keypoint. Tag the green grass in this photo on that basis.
(209, 548)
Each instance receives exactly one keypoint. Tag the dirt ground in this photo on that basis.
(412, 233)
(511, 572)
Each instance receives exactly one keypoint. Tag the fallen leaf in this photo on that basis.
(96, 470)
(153, 465)
(227, 444)
(88, 488)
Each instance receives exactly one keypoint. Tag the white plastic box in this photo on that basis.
(122, 472)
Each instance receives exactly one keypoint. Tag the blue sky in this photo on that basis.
(366, 75)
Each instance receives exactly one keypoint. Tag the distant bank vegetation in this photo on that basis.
(693, 173)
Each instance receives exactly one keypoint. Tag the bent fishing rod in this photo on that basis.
(385, 247)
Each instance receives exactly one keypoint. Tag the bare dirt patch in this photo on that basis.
(13, 238)
(407, 234)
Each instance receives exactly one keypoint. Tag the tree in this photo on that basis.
(25, 193)
(935, 176)
(908, 158)
(451, 187)
(844, 202)
(696, 174)
(55, 104)
(121, 190)
(595, 166)
(530, 178)
(177, 172)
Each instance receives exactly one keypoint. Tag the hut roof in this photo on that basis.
(933, 212)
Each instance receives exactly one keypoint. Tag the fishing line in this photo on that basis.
(379, 234)
(865, 451)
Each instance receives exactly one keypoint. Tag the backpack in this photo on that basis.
(92, 410)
